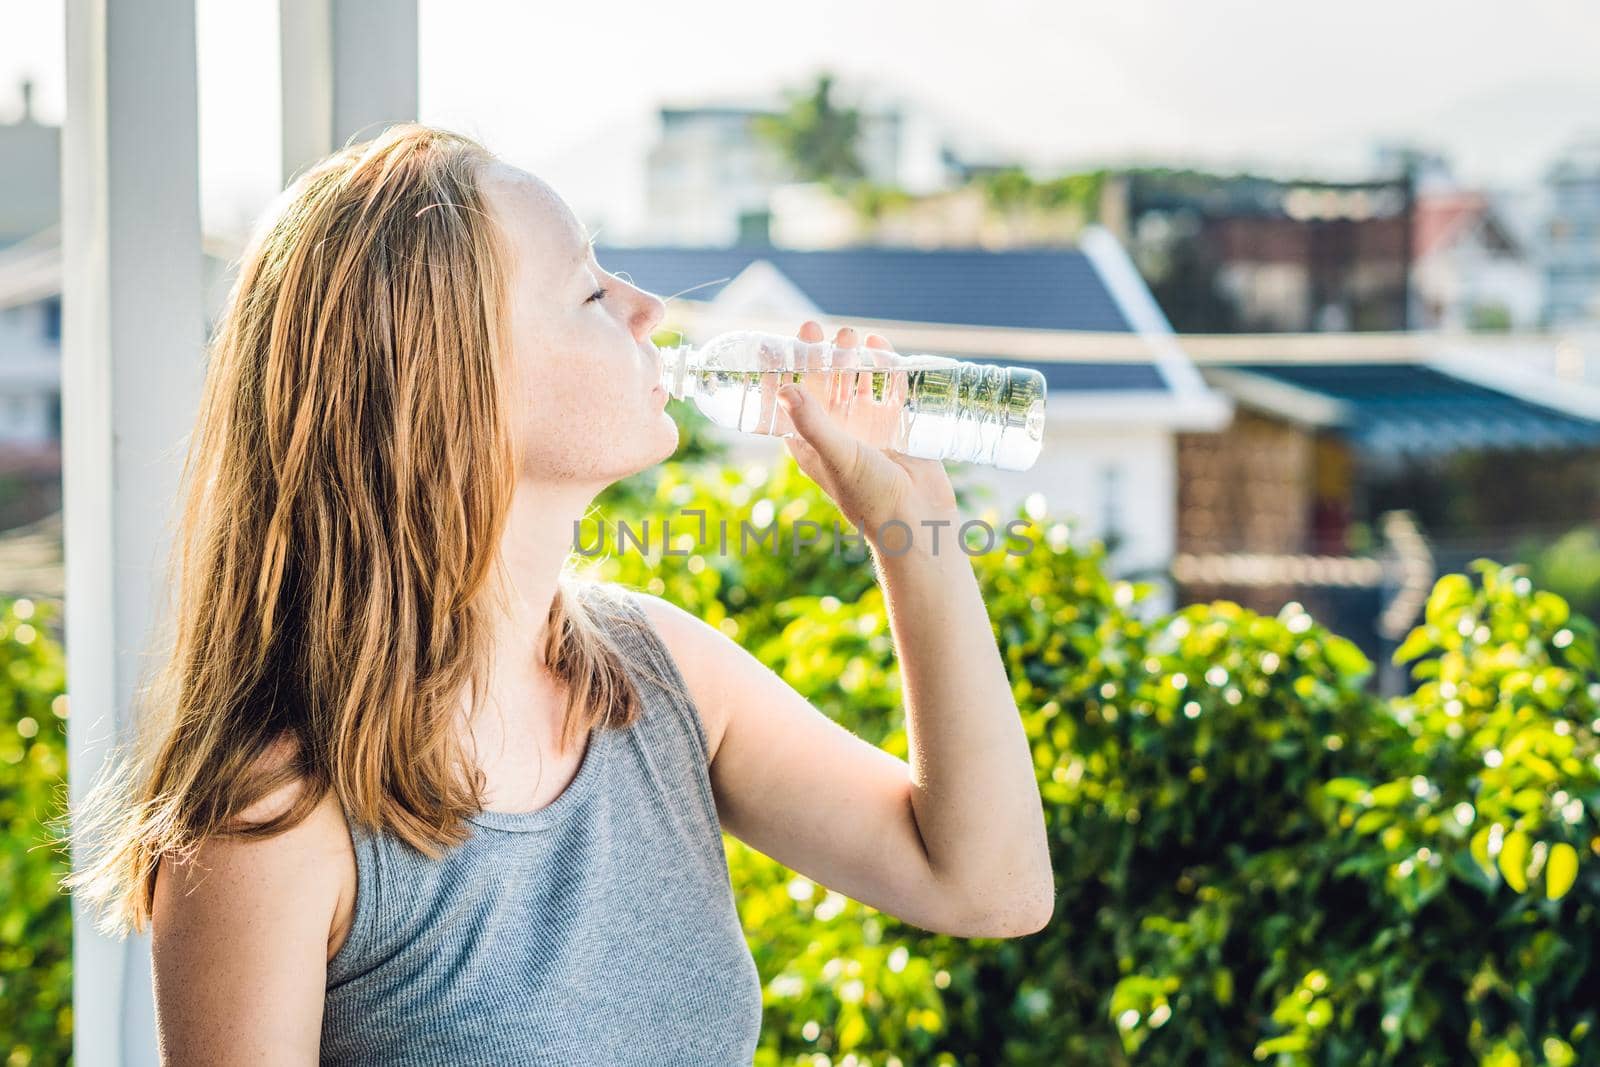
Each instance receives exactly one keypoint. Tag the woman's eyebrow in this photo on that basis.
(584, 252)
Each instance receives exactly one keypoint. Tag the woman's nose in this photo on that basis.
(651, 311)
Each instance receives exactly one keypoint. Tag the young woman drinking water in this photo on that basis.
(409, 790)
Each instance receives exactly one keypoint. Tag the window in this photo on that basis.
(1110, 505)
(52, 318)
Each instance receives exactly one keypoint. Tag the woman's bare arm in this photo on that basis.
(797, 786)
(955, 840)
(240, 940)
(975, 791)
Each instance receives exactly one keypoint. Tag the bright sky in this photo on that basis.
(570, 91)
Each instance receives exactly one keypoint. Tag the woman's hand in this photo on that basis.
(871, 485)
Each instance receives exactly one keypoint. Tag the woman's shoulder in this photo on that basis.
(240, 934)
(308, 868)
(700, 653)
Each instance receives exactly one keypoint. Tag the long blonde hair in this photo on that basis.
(336, 560)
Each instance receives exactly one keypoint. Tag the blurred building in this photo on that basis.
(1469, 270)
(1571, 251)
(30, 313)
(710, 179)
(30, 318)
(1330, 434)
(1120, 385)
(30, 161)
(30, 354)
(1253, 254)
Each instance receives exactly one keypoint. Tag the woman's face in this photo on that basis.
(592, 411)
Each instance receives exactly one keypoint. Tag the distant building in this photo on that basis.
(1120, 386)
(30, 164)
(30, 321)
(1331, 433)
(1571, 250)
(710, 179)
(30, 314)
(1252, 254)
(1468, 270)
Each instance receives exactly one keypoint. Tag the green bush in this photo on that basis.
(1569, 566)
(35, 917)
(1257, 860)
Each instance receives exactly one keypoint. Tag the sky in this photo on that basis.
(570, 90)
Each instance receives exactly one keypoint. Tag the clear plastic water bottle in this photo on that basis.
(930, 406)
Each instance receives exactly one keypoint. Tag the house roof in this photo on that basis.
(1411, 408)
(1441, 219)
(1047, 289)
(1038, 289)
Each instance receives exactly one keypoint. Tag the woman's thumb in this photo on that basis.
(833, 446)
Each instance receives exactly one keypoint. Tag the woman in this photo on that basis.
(408, 790)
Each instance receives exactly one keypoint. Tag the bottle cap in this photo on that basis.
(674, 367)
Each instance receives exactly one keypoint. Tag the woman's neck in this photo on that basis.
(534, 547)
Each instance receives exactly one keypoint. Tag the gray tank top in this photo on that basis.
(599, 929)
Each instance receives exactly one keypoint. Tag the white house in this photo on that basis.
(1468, 267)
(1120, 386)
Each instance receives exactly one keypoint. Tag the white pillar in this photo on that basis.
(133, 330)
(349, 69)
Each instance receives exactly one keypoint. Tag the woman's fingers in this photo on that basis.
(836, 450)
(848, 391)
(775, 416)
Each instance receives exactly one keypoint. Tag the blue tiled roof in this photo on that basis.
(1041, 289)
(1399, 407)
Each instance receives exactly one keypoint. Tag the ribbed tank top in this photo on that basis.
(598, 929)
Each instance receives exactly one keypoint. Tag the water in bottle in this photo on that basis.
(930, 406)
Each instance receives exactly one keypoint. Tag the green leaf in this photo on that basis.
(1513, 860)
(1345, 789)
(1479, 847)
(1553, 607)
(1561, 870)
(1449, 592)
(1417, 642)
(1372, 822)
(1285, 1043)
(1390, 794)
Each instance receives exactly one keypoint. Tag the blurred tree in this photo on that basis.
(1569, 566)
(1490, 318)
(817, 136)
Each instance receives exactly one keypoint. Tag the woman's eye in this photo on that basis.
(598, 294)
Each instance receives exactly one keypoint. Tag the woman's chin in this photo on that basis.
(664, 433)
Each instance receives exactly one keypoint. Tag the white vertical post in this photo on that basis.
(349, 69)
(133, 330)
